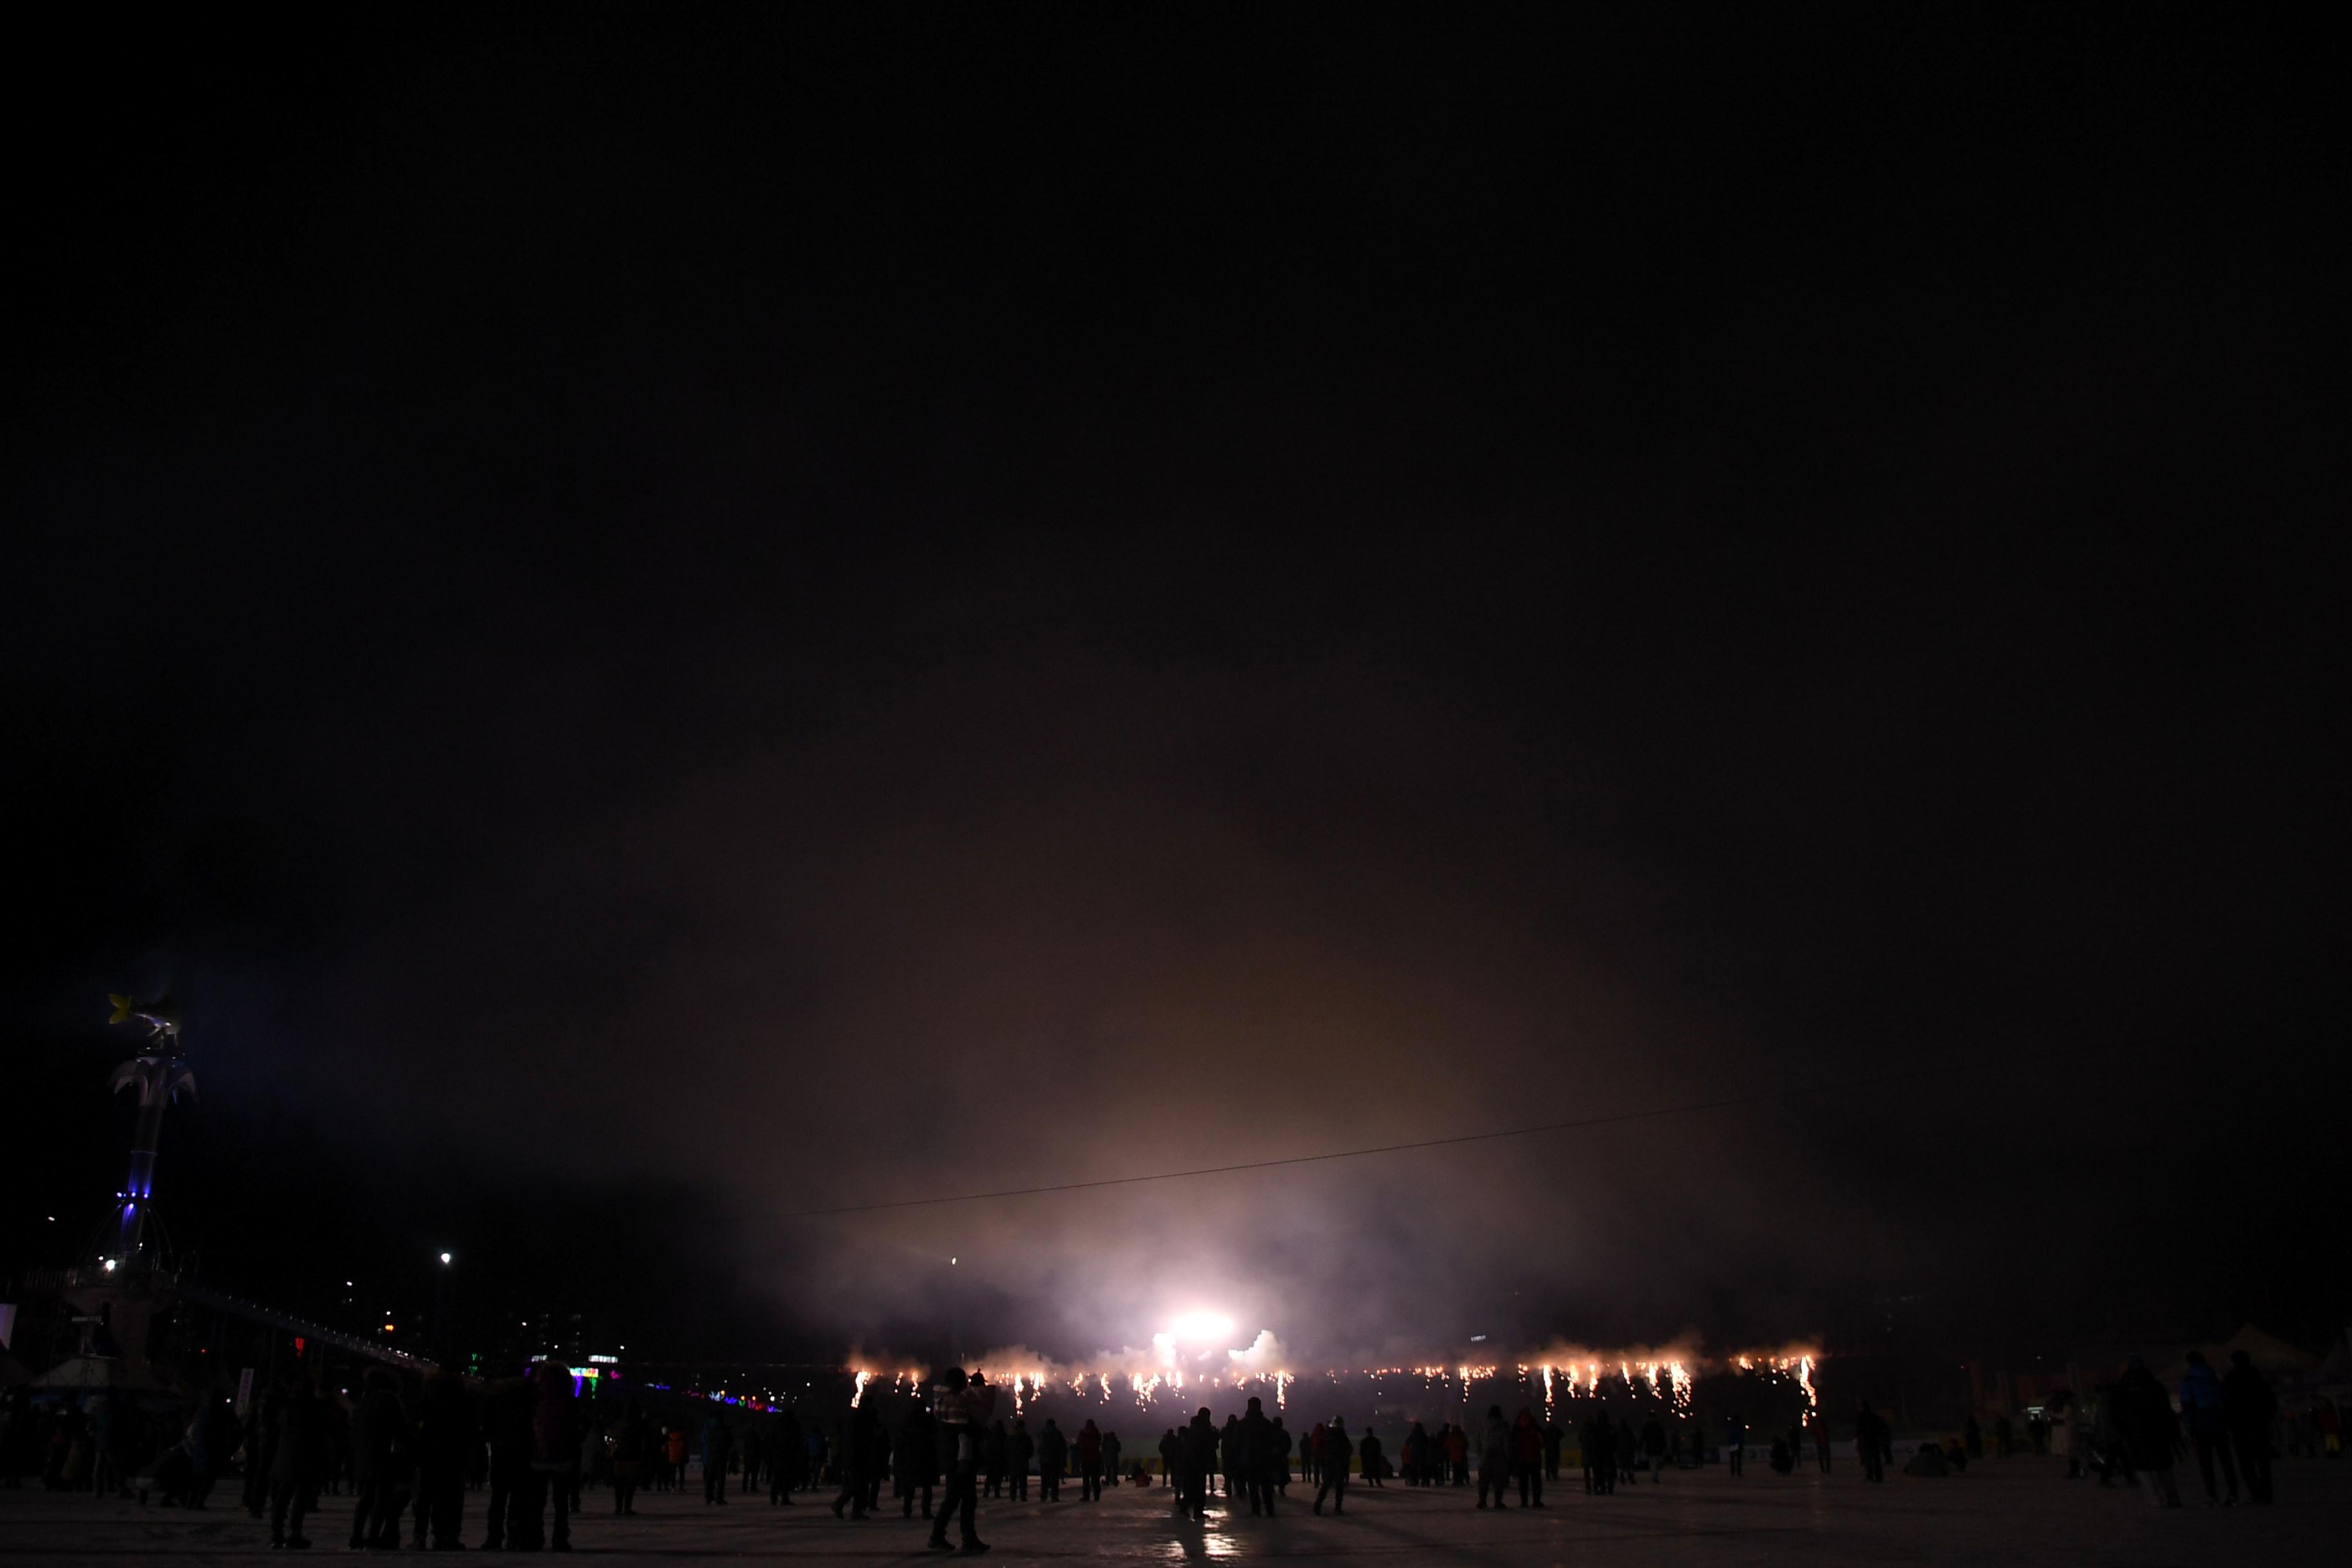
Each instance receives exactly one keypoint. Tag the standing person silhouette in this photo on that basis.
(1197, 1445)
(718, 1443)
(856, 1459)
(916, 1469)
(2251, 1407)
(1331, 1465)
(1255, 1446)
(961, 1408)
(1090, 1462)
(1870, 1434)
(1494, 1456)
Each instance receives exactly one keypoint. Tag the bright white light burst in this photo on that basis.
(1203, 1328)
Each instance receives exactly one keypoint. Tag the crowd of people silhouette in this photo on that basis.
(406, 1456)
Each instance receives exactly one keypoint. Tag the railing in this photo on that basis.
(253, 1312)
(156, 1283)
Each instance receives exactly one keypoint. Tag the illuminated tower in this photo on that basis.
(134, 1239)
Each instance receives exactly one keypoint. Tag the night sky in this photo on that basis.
(659, 619)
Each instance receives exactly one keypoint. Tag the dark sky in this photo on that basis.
(658, 619)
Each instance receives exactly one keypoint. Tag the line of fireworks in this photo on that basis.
(1559, 1372)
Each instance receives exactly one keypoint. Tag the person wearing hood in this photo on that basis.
(1494, 1456)
(2201, 1411)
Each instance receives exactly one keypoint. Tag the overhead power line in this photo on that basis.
(1645, 1114)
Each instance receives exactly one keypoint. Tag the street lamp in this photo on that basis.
(441, 1305)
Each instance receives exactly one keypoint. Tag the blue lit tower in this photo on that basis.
(134, 1239)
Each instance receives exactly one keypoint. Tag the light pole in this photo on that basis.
(441, 1308)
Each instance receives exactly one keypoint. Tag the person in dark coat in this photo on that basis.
(858, 1456)
(790, 1458)
(1090, 1463)
(1527, 1457)
(1331, 1465)
(254, 1495)
(1552, 1443)
(380, 1452)
(996, 1459)
(1169, 1449)
(1197, 1458)
(1258, 1458)
(1870, 1435)
(445, 1435)
(554, 1455)
(1053, 1462)
(1110, 1456)
(1599, 1440)
(633, 1448)
(2248, 1408)
(917, 1467)
(505, 1411)
(962, 1406)
(877, 1465)
(754, 1452)
(1494, 1456)
(297, 1457)
(2202, 1402)
(1019, 1449)
(2149, 1429)
(1371, 1462)
(717, 1447)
